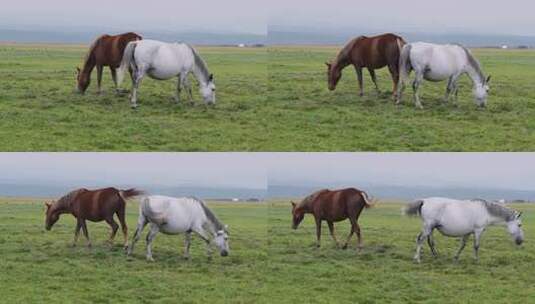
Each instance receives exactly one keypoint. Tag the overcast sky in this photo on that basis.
(474, 16)
(246, 16)
(514, 171)
(163, 169)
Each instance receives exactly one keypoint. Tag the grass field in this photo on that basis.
(314, 119)
(267, 100)
(39, 110)
(269, 262)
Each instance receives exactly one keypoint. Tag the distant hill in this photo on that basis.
(288, 36)
(408, 193)
(51, 190)
(84, 36)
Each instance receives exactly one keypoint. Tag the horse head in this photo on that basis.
(208, 90)
(333, 75)
(221, 241)
(514, 226)
(481, 92)
(51, 215)
(82, 81)
(297, 215)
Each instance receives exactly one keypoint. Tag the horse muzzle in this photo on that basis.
(519, 241)
(224, 253)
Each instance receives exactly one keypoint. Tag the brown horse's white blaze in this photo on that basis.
(107, 51)
(93, 205)
(333, 206)
(371, 53)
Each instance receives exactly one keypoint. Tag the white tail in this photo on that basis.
(128, 56)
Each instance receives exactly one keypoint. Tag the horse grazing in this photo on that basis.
(163, 61)
(456, 218)
(333, 206)
(180, 215)
(108, 51)
(371, 53)
(434, 62)
(93, 205)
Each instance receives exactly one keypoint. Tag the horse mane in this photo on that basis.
(474, 63)
(345, 52)
(200, 64)
(66, 200)
(210, 215)
(310, 197)
(497, 209)
(92, 48)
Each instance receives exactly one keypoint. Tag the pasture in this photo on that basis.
(269, 262)
(311, 118)
(39, 110)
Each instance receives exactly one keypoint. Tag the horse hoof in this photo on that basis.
(344, 247)
(150, 259)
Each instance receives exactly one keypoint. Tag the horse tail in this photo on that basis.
(128, 58)
(405, 65)
(367, 201)
(414, 208)
(126, 194)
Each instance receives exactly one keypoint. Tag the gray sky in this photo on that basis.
(474, 16)
(514, 171)
(247, 16)
(163, 169)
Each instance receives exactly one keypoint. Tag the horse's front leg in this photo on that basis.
(449, 89)
(203, 235)
(178, 88)
(114, 227)
(374, 79)
(187, 244)
(86, 234)
(477, 237)
(318, 232)
(419, 242)
(99, 78)
(77, 232)
(331, 231)
(187, 86)
(431, 243)
(463, 244)
(142, 222)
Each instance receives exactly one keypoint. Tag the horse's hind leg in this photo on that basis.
(477, 237)
(114, 78)
(187, 86)
(349, 236)
(374, 79)
(76, 232)
(154, 229)
(449, 89)
(124, 227)
(137, 76)
(395, 79)
(419, 242)
(187, 244)
(416, 88)
(142, 222)
(178, 88)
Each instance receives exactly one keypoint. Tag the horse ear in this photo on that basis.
(328, 64)
(519, 215)
(488, 79)
(211, 77)
(293, 204)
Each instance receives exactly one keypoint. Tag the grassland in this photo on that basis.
(314, 119)
(268, 100)
(39, 110)
(269, 263)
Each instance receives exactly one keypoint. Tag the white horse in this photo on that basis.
(171, 215)
(163, 61)
(458, 218)
(434, 62)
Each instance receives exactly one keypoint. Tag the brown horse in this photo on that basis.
(105, 51)
(371, 53)
(93, 205)
(333, 206)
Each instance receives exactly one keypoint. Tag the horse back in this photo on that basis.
(97, 205)
(109, 49)
(339, 204)
(378, 51)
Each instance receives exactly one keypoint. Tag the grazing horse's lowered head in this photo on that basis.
(82, 81)
(481, 92)
(298, 214)
(514, 226)
(221, 241)
(207, 90)
(52, 215)
(333, 75)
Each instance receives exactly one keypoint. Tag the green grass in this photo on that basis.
(267, 100)
(313, 119)
(269, 262)
(39, 110)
